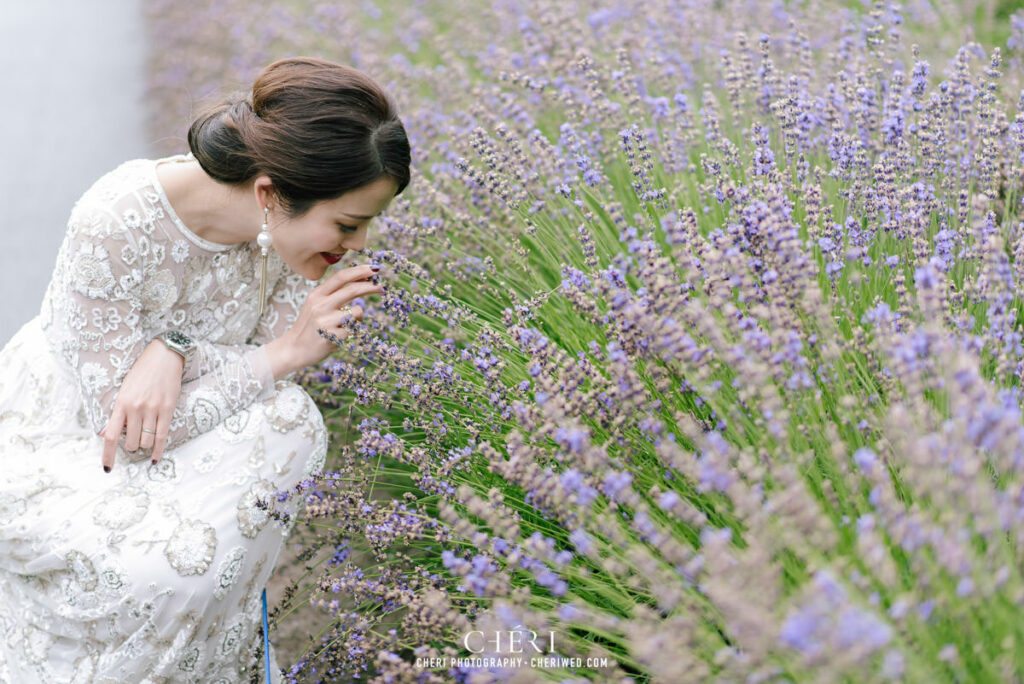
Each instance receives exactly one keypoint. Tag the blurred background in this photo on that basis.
(83, 93)
(73, 77)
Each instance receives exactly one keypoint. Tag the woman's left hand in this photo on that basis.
(145, 404)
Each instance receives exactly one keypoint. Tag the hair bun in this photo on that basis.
(316, 128)
(243, 108)
(220, 140)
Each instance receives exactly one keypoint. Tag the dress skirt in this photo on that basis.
(148, 573)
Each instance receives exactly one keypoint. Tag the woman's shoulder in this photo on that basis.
(128, 194)
(127, 178)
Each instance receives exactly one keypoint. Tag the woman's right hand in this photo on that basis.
(144, 404)
(302, 345)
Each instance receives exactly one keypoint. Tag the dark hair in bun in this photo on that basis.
(316, 128)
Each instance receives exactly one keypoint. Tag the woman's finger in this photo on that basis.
(163, 421)
(351, 292)
(147, 437)
(345, 276)
(131, 437)
(111, 435)
(349, 314)
(340, 318)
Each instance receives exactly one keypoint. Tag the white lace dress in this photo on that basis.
(149, 573)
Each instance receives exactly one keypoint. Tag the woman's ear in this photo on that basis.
(263, 188)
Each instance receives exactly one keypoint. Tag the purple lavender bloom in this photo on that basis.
(568, 612)
(715, 535)
(834, 591)
(659, 106)
(601, 18)
(480, 563)
(448, 559)
(546, 577)
(572, 481)
(919, 77)
(880, 312)
(865, 459)
(615, 482)
(573, 277)
(892, 665)
(572, 439)
(982, 429)
(341, 553)
(800, 631)
(478, 577)
(581, 540)
(926, 277)
(668, 500)
(712, 478)
(859, 627)
(562, 557)
(892, 126)
(592, 177)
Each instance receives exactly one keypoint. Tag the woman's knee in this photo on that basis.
(291, 408)
(294, 415)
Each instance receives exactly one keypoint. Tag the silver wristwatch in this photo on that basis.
(179, 342)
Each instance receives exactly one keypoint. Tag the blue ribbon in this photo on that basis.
(266, 637)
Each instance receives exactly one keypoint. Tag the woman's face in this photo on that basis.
(321, 236)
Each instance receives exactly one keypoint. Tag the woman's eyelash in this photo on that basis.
(347, 228)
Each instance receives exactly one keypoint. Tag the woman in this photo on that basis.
(155, 354)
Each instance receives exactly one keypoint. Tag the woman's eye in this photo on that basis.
(347, 228)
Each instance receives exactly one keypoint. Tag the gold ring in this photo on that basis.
(152, 432)
(346, 313)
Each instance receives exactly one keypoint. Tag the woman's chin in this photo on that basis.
(319, 271)
(311, 269)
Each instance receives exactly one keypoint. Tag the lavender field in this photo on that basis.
(701, 353)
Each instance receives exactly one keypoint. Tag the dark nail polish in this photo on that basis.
(153, 461)
(106, 469)
(375, 269)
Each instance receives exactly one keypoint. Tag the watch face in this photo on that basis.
(179, 338)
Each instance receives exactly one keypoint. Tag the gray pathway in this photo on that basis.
(71, 84)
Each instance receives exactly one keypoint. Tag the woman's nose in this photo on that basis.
(357, 240)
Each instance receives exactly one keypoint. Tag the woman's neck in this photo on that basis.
(214, 211)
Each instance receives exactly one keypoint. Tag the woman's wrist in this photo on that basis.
(281, 357)
(162, 344)
(179, 343)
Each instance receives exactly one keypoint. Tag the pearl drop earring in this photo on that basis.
(264, 240)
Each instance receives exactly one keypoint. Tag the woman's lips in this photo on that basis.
(330, 258)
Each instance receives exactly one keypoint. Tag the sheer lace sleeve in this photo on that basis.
(118, 290)
(285, 302)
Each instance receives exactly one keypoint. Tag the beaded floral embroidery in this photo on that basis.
(190, 548)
